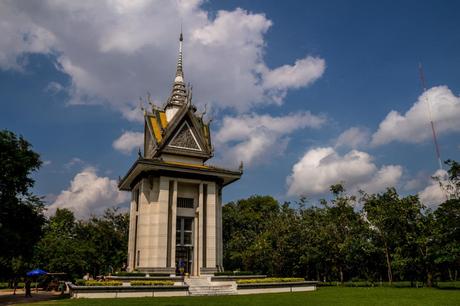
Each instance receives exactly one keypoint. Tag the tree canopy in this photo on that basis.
(21, 212)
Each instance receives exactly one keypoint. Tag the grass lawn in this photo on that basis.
(323, 296)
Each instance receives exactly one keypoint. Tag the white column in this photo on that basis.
(161, 225)
(173, 226)
(220, 242)
(211, 238)
(132, 224)
(196, 243)
(200, 229)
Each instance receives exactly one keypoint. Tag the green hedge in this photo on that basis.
(152, 283)
(135, 274)
(270, 280)
(81, 282)
(398, 284)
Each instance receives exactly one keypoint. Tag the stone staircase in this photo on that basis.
(203, 286)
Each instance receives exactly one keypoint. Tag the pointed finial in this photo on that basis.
(241, 166)
(139, 153)
(205, 110)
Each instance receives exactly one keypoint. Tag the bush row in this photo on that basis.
(152, 283)
(134, 274)
(399, 284)
(82, 282)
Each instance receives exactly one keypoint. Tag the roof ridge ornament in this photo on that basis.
(179, 93)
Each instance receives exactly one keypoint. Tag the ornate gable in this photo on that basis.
(177, 129)
(186, 134)
(184, 139)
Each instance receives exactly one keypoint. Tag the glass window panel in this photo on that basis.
(188, 224)
(187, 238)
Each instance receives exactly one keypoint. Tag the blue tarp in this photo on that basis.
(36, 272)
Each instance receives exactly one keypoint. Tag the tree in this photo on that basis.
(244, 224)
(59, 250)
(394, 221)
(105, 240)
(21, 212)
(447, 227)
(343, 233)
(97, 245)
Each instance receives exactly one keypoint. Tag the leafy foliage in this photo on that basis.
(21, 212)
(377, 237)
(152, 283)
(97, 245)
(93, 283)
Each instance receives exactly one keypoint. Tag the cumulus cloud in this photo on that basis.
(386, 176)
(302, 73)
(414, 126)
(115, 51)
(88, 194)
(433, 195)
(353, 138)
(252, 137)
(128, 141)
(322, 167)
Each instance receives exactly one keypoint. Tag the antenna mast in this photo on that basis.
(433, 130)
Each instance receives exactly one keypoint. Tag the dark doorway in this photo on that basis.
(184, 245)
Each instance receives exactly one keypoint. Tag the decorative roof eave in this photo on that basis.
(155, 165)
(185, 111)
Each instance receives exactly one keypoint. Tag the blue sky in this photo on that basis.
(283, 81)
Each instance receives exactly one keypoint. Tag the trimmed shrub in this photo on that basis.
(152, 283)
(97, 283)
(135, 274)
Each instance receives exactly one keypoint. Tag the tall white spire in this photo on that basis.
(179, 92)
(179, 69)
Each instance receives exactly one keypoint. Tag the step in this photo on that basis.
(203, 286)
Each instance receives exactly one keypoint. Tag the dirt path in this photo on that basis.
(7, 297)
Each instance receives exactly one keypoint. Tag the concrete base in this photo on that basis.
(274, 290)
(208, 271)
(275, 287)
(208, 288)
(157, 270)
(126, 291)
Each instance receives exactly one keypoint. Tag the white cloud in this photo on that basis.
(73, 162)
(115, 51)
(302, 73)
(252, 137)
(433, 195)
(353, 138)
(128, 141)
(88, 194)
(320, 168)
(414, 126)
(387, 176)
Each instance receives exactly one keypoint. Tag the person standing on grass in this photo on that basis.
(28, 284)
(15, 285)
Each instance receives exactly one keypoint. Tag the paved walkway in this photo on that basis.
(7, 297)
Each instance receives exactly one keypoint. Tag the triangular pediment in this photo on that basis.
(185, 139)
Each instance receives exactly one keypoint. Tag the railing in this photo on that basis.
(185, 202)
